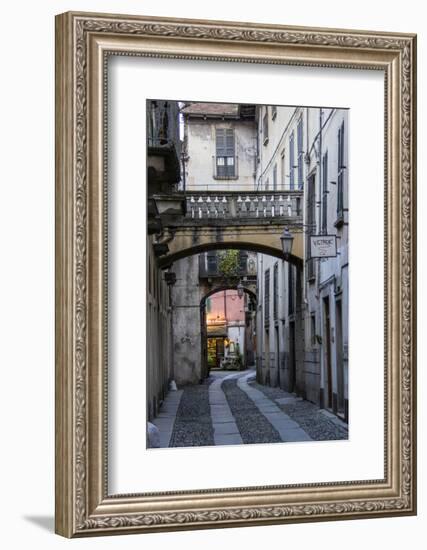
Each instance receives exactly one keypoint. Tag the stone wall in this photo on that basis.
(187, 338)
(159, 340)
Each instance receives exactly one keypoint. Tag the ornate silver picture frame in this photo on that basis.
(84, 43)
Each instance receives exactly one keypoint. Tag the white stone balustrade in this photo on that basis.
(268, 205)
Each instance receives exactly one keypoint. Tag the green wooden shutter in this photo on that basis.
(220, 142)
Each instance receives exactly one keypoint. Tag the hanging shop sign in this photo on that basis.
(323, 246)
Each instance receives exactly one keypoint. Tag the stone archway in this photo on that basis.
(183, 243)
(249, 321)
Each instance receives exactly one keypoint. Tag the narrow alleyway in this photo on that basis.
(231, 409)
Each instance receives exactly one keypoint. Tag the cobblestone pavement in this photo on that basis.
(193, 425)
(232, 408)
(318, 423)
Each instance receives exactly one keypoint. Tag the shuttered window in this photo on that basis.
(275, 178)
(291, 290)
(275, 291)
(225, 153)
(243, 263)
(300, 154)
(325, 193)
(291, 161)
(212, 263)
(283, 170)
(311, 223)
(265, 127)
(267, 297)
(341, 168)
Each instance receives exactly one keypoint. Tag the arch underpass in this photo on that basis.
(186, 241)
(206, 330)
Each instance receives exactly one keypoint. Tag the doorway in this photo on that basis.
(328, 359)
(215, 351)
(340, 361)
(292, 358)
(277, 354)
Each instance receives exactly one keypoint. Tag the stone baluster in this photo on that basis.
(216, 206)
(289, 206)
(191, 209)
(273, 205)
(248, 206)
(255, 204)
(241, 207)
(226, 206)
(270, 206)
(200, 206)
(209, 208)
(264, 206)
(281, 206)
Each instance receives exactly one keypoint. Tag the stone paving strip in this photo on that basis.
(318, 423)
(225, 430)
(193, 426)
(253, 426)
(288, 429)
(166, 418)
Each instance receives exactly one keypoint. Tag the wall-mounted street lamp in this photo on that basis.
(287, 240)
(240, 290)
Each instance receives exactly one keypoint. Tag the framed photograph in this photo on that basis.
(235, 274)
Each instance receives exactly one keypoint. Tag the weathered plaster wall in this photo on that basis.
(159, 339)
(187, 343)
(201, 147)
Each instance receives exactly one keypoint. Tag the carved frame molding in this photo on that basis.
(83, 43)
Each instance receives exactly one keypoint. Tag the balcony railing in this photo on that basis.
(255, 205)
(209, 267)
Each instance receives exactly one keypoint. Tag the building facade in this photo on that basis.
(163, 176)
(219, 153)
(219, 147)
(302, 316)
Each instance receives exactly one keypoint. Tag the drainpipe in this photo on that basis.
(260, 336)
(306, 190)
(172, 369)
(320, 191)
(256, 153)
